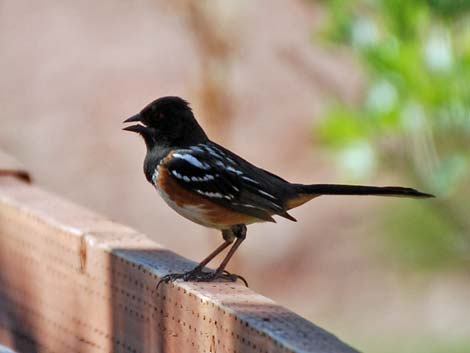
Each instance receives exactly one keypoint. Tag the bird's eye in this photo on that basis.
(160, 116)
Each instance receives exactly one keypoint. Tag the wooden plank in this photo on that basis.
(72, 281)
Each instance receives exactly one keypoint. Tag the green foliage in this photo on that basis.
(425, 242)
(416, 108)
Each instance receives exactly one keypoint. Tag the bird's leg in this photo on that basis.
(198, 269)
(240, 234)
(221, 272)
(193, 274)
(237, 232)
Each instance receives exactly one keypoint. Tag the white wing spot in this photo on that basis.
(215, 152)
(176, 174)
(215, 194)
(267, 194)
(249, 179)
(206, 177)
(192, 160)
(210, 194)
(229, 168)
(233, 170)
(244, 205)
(197, 149)
(276, 205)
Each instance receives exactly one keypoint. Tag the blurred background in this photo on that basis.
(360, 91)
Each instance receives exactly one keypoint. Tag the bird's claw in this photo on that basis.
(233, 277)
(201, 276)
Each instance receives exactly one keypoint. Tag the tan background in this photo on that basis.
(72, 71)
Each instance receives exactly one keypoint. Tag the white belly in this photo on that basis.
(195, 213)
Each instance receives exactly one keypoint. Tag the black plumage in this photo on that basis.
(222, 189)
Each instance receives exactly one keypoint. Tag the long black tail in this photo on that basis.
(335, 189)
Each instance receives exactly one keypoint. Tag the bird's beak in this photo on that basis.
(133, 118)
(136, 128)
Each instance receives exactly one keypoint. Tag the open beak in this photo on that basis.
(134, 128)
(133, 118)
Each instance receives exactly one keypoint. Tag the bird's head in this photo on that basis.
(169, 122)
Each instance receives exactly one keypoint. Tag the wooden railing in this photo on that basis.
(72, 281)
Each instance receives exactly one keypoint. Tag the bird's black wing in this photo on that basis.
(227, 180)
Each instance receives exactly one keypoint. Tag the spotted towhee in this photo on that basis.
(214, 187)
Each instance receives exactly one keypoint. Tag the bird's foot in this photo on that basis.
(198, 275)
(233, 277)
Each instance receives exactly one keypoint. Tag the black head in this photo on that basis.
(169, 122)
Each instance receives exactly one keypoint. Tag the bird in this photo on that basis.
(214, 187)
